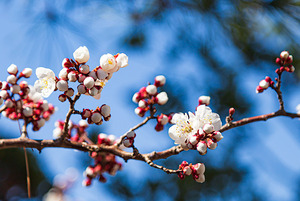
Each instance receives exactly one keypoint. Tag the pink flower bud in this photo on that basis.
(87, 182)
(264, 84)
(72, 76)
(187, 170)
(105, 110)
(200, 178)
(81, 78)
(9, 103)
(140, 111)
(202, 147)
(194, 139)
(26, 73)
(69, 92)
(12, 69)
(231, 111)
(62, 85)
(130, 134)
(101, 74)
(66, 63)
(63, 74)
(81, 54)
(81, 89)
(89, 82)
(40, 123)
(86, 113)
(93, 91)
(143, 103)
(85, 69)
(135, 97)
(208, 128)
(159, 81)
(11, 79)
(218, 136)
(96, 117)
(122, 60)
(199, 168)
(290, 59)
(204, 100)
(27, 112)
(284, 55)
(159, 127)
(211, 144)
(127, 142)
(4, 94)
(163, 119)
(15, 89)
(279, 61)
(62, 97)
(151, 90)
(162, 98)
(23, 84)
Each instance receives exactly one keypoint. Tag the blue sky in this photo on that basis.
(271, 152)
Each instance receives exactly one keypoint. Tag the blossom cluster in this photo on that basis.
(285, 62)
(29, 105)
(147, 96)
(103, 162)
(91, 82)
(76, 132)
(197, 131)
(197, 171)
(96, 116)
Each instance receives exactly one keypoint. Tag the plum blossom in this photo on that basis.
(46, 83)
(108, 63)
(187, 125)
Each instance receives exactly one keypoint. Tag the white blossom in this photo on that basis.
(81, 55)
(46, 83)
(108, 63)
(33, 94)
(122, 60)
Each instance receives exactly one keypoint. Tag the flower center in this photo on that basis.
(185, 127)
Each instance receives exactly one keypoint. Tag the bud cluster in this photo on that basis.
(162, 120)
(76, 132)
(285, 62)
(264, 84)
(91, 82)
(129, 139)
(103, 162)
(30, 106)
(203, 139)
(197, 171)
(147, 96)
(98, 115)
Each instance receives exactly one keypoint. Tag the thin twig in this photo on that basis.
(27, 173)
(134, 128)
(169, 171)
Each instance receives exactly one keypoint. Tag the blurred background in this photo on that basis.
(203, 47)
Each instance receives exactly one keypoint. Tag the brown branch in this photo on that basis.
(27, 174)
(169, 171)
(83, 146)
(265, 117)
(68, 116)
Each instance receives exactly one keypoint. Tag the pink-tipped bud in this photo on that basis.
(162, 98)
(4, 94)
(105, 110)
(11, 79)
(81, 78)
(15, 89)
(204, 100)
(163, 119)
(159, 81)
(264, 84)
(62, 85)
(143, 103)
(202, 147)
(259, 89)
(62, 97)
(211, 144)
(231, 111)
(151, 90)
(27, 72)
(194, 139)
(81, 89)
(284, 55)
(128, 142)
(69, 92)
(199, 168)
(86, 113)
(23, 84)
(130, 134)
(12, 69)
(87, 182)
(85, 69)
(279, 61)
(63, 74)
(89, 82)
(27, 112)
(208, 128)
(200, 178)
(101, 74)
(72, 76)
(135, 97)
(187, 170)
(218, 136)
(159, 127)
(289, 59)
(96, 117)
(66, 63)
(140, 111)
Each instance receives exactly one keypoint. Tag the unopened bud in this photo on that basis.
(62, 85)
(159, 81)
(151, 89)
(12, 69)
(89, 82)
